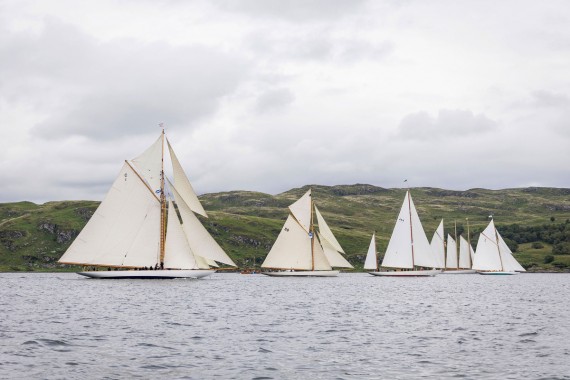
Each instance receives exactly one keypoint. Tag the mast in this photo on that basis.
(411, 230)
(469, 244)
(456, 246)
(498, 248)
(162, 203)
(312, 233)
(375, 253)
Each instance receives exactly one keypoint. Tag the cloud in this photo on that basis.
(276, 98)
(549, 99)
(112, 89)
(448, 123)
(294, 11)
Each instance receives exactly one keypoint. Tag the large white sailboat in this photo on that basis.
(493, 256)
(298, 252)
(146, 227)
(409, 249)
(371, 261)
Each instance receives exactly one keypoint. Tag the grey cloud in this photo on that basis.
(448, 123)
(319, 47)
(107, 89)
(549, 99)
(295, 11)
(276, 98)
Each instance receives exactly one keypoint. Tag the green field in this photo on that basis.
(33, 237)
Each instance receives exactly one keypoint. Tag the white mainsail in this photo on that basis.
(292, 249)
(302, 209)
(438, 246)
(149, 164)
(465, 250)
(371, 262)
(451, 260)
(183, 186)
(125, 228)
(408, 246)
(493, 254)
(399, 251)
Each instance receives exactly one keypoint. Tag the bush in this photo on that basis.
(537, 245)
(561, 249)
(548, 259)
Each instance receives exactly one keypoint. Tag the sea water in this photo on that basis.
(63, 326)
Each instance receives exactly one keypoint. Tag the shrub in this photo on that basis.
(561, 249)
(537, 245)
(548, 259)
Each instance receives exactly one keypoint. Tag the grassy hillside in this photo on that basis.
(33, 237)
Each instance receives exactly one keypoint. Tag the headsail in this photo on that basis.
(438, 246)
(199, 239)
(178, 254)
(451, 260)
(487, 255)
(464, 253)
(326, 232)
(509, 262)
(183, 186)
(334, 258)
(371, 261)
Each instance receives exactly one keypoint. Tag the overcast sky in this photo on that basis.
(267, 95)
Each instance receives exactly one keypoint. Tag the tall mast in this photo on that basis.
(375, 253)
(469, 244)
(498, 248)
(312, 229)
(457, 243)
(411, 230)
(162, 203)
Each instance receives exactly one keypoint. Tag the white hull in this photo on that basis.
(459, 271)
(149, 274)
(303, 273)
(498, 273)
(408, 273)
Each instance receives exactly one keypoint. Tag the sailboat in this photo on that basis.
(409, 247)
(146, 226)
(458, 262)
(299, 251)
(493, 256)
(371, 261)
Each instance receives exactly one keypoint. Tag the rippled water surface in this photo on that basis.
(256, 327)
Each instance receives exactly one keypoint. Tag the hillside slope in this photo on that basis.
(33, 237)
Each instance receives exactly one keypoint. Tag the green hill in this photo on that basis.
(33, 237)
